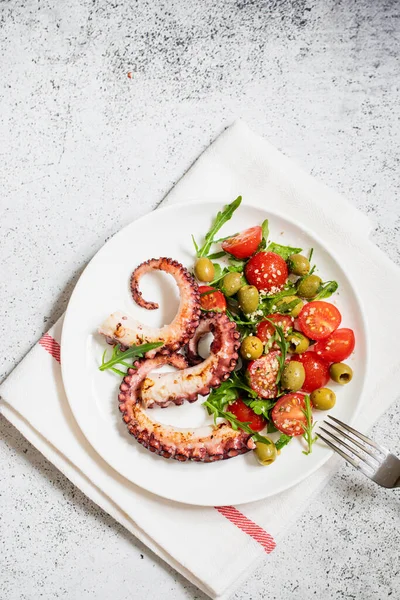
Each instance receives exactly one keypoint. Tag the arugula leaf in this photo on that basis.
(284, 251)
(271, 427)
(265, 230)
(235, 423)
(309, 427)
(287, 307)
(326, 290)
(261, 407)
(216, 255)
(119, 356)
(217, 271)
(283, 441)
(310, 255)
(237, 264)
(222, 217)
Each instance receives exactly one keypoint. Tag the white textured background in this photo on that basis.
(84, 149)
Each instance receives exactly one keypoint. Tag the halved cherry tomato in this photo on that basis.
(245, 414)
(319, 319)
(267, 271)
(243, 244)
(266, 330)
(288, 415)
(262, 373)
(337, 347)
(212, 300)
(316, 368)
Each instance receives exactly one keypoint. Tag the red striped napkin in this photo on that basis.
(216, 548)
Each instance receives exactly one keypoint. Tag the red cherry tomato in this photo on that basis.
(288, 415)
(243, 244)
(267, 271)
(319, 319)
(212, 300)
(245, 414)
(317, 371)
(266, 330)
(337, 347)
(262, 373)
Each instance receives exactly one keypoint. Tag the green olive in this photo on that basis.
(309, 287)
(293, 376)
(266, 453)
(204, 269)
(298, 264)
(323, 399)
(288, 300)
(341, 373)
(232, 283)
(248, 298)
(251, 348)
(298, 343)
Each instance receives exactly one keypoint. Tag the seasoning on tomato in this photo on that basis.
(319, 319)
(245, 414)
(262, 373)
(337, 347)
(267, 271)
(265, 329)
(316, 369)
(243, 244)
(288, 416)
(212, 299)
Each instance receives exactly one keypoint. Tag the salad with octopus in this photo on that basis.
(276, 344)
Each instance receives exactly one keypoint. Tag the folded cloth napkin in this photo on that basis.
(216, 548)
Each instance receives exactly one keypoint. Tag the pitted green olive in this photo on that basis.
(266, 453)
(248, 298)
(298, 343)
(204, 269)
(341, 373)
(296, 310)
(323, 399)
(232, 283)
(298, 264)
(251, 348)
(309, 287)
(293, 376)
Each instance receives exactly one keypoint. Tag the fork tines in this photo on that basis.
(371, 455)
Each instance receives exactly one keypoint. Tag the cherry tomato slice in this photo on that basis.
(337, 347)
(266, 330)
(243, 244)
(267, 271)
(316, 369)
(212, 300)
(245, 414)
(262, 373)
(288, 415)
(319, 319)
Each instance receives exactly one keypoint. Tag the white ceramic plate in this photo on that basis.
(104, 288)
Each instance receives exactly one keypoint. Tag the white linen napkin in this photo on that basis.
(217, 548)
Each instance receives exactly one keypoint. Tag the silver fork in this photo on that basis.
(375, 461)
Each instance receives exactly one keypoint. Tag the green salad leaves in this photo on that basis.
(222, 217)
(118, 356)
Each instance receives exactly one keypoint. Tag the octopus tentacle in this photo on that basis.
(119, 328)
(204, 444)
(191, 349)
(172, 388)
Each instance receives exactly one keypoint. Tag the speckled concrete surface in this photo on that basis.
(85, 149)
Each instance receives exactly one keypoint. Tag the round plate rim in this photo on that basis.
(270, 212)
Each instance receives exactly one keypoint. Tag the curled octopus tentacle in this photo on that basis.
(204, 444)
(172, 388)
(119, 328)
